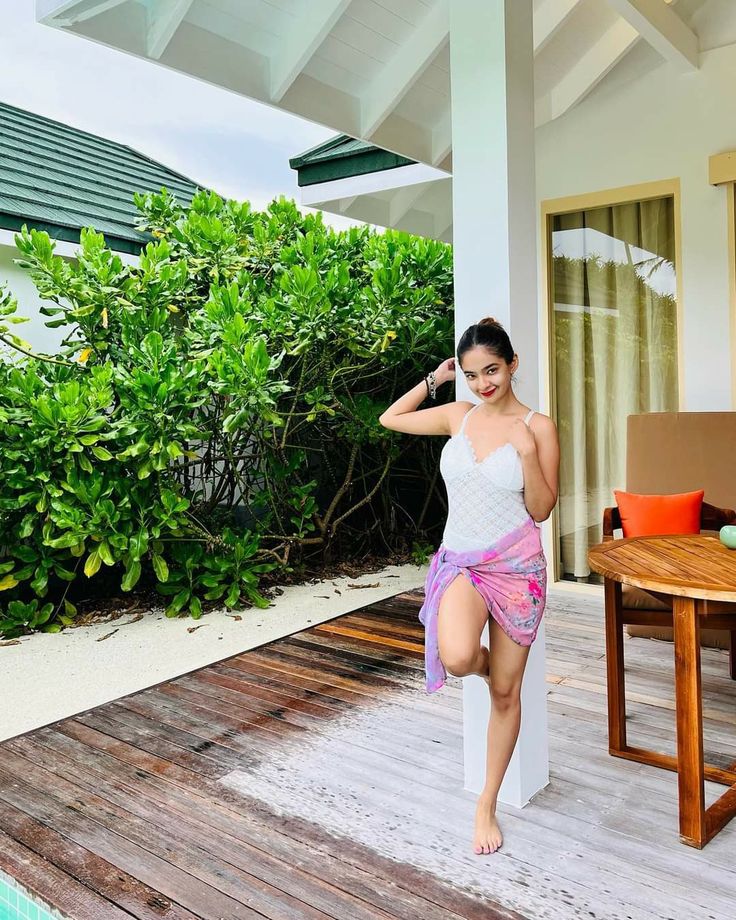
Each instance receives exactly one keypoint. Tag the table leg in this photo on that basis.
(615, 667)
(689, 707)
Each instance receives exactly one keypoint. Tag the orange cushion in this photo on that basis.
(650, 515)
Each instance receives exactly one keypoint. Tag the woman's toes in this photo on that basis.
(488, 837)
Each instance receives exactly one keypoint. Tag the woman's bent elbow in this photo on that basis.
(542, 515)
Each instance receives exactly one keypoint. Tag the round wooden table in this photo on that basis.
(699, 573)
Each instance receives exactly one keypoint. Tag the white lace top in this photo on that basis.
(486, 498)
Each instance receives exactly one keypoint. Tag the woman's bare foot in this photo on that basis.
(488, 837)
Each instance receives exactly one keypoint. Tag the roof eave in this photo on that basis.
(72, 234)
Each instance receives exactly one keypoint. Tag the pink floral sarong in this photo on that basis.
(512, 577)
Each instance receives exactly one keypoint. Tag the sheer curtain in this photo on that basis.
(615, 342)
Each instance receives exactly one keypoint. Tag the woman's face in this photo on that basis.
(487, 373)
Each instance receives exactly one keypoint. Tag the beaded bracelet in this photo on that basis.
(431, 385)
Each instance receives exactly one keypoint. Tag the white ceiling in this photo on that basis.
(379, 69)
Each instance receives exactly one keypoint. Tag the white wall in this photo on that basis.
(40, 338)
(664, 125)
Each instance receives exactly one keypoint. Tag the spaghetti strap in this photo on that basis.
(529, 416)
(465, 418)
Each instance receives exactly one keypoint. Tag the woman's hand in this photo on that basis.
(445, 371)
(522, 437)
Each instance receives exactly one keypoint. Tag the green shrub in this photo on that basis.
(211, 415)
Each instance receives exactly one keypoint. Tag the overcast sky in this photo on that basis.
(224, 141)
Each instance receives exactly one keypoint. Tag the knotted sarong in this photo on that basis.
(512, 577)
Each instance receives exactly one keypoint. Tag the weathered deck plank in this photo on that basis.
(313, 778)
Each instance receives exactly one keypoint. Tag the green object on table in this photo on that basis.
(728, 536)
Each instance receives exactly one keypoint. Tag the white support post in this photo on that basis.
(494, 234)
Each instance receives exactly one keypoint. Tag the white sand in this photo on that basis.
(52, 676)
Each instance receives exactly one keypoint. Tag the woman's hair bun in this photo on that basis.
(486, 333)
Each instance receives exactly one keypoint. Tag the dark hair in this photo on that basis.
(489, 334)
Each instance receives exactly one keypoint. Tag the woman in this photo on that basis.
(500, 468)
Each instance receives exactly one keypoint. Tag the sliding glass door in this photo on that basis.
(614, 342)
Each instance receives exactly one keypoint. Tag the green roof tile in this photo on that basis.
(60, 179)
(341, 157)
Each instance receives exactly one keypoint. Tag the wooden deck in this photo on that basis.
(314, 778)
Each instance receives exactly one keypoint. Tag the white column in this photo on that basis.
(494, 234)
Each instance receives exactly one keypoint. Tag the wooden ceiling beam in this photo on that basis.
(402, 201)
(407, 65)
(662, 28)
(164, 18)
(63, 15)
(587, 71)
(305, 36)
(548, 18)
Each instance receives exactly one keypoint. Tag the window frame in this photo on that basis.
(731, 198)
(722, 171)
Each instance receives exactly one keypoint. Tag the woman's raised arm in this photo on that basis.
(404, 414)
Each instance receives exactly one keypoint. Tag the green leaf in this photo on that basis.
(105, 554)
(138, 544)
(40, 583)
(26, 528)
(93, 563)
(42, 616)
(63, 542)
(7, 583)
(153, 345)
(130, 578)
(144, 471)
(102, 453)
(177, 605)
(233, 595)
(64, 574)
(195, 607)
(160, 567)
(214, 594)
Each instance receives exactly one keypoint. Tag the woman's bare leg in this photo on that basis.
(507, 661)
(461, 618)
